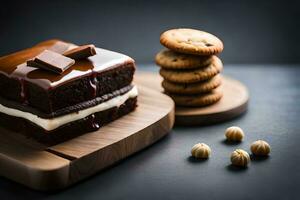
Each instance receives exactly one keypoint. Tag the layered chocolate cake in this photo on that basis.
(52, 107)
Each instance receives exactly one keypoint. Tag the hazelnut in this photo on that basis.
(234, 133)
(260, 148)
(240, 158)
(201, 150)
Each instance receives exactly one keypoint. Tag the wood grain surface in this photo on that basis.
(234, 102)
(50, 168)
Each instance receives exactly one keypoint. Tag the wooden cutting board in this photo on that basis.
(233, 103)
(50, 168)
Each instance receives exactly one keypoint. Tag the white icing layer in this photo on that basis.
(53, 123)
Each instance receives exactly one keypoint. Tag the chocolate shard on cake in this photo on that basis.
(52, 61)
(52, 107)
(81, 52)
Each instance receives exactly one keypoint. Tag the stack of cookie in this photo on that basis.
(190, 67)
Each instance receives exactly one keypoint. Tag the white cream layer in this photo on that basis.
(53, 123)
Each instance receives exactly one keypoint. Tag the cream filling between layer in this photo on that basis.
(53, 123)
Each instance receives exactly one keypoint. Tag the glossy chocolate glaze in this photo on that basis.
(14, 65)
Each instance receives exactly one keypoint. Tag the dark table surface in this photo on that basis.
(165, 170)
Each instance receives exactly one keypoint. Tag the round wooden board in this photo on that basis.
(233, 103)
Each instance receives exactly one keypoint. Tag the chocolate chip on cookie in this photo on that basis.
(193, 75)
(172, 60)
(191, 41)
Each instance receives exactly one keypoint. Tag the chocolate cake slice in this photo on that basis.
(52, 107)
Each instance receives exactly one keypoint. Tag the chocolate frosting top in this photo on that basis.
(14, 65)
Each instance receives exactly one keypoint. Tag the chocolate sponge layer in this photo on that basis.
(88, 124)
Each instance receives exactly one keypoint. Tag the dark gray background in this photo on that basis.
(253, 31)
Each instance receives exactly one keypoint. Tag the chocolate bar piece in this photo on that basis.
(81, 52)
(51, 61)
